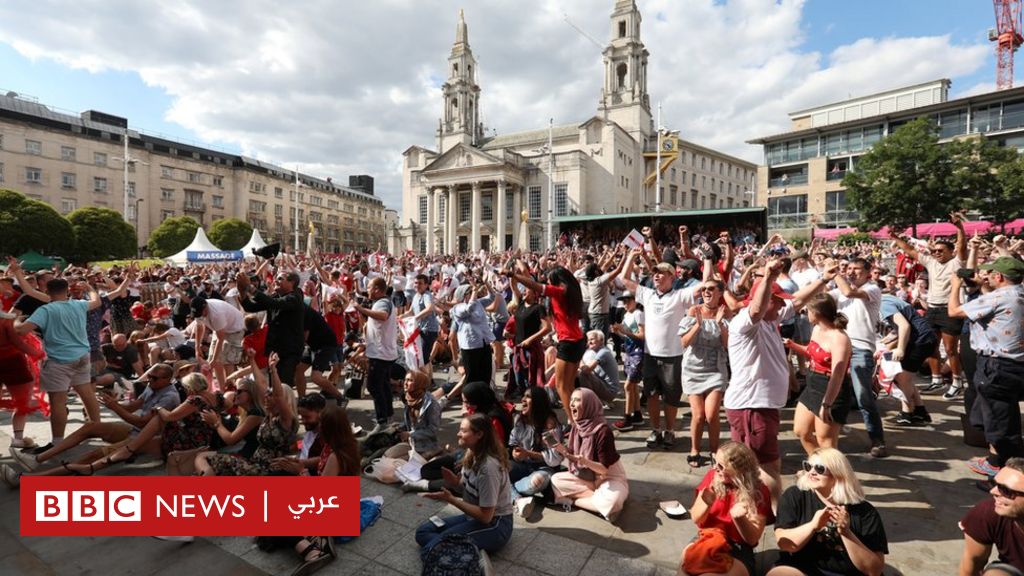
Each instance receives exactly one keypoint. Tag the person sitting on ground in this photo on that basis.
(824, 524)
(596, 480)
(171, 430)
(996, 521)
(243, 439)
(160, 393)
(533, 461)
(486, 504)
(479, 397)
(825, 402)
(598, 369)
(732, 498)
(422, 419)
(309, 411)
(276, 434)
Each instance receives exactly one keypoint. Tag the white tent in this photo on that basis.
(255, 243)
(199, 244)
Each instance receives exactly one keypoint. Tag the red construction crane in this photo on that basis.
(1007, 36)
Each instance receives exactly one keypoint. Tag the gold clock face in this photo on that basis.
(667, 145)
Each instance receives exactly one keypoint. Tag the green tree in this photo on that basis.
(853, 238)
(172, 236)
(904, 179)
(101, 234)
(230, 233)
(27, 224)
(1002, 200)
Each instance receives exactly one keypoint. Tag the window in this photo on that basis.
(487, 206)
(703, 202)
(33, 175)
(332, 204)
(218, 181)
(165, 214)
(195, 178)
(278, 211)
(99, 185)
(787, 211)
(99, 158)
(130, 214)
(68, 205)
(422, 209)
(67, 180)
(534, 204)
(167, 194)
(316, 201)
(510, 202)
(703, 182)
(622, 28)
(693, 199)
(34, 147)
(673, 192)
(465, 200)
(534, 242)
(166, 172)
(131, 189)
(278, 192)
(562, 199)
(693, 180)
(703, 163)
(217, 201)
(257, 206)
(67, 153)
(442, 208)
(714, 201)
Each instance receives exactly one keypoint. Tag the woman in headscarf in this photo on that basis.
(596, 480)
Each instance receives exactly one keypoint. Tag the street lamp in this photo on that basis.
(137, 219)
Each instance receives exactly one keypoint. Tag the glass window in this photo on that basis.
(1013, 115)
(835, 144)
(34, 147)
(487, 206)
(99, 158)
(99, 185)
(218, 202)
(534, 202)
(509, 205)
(33, 175)
(67, 180)
(872, 134)
(422, 209)
(784, 205)
(167, 193)
(442, 208)
(67, 153)
(465, 206)
(955, 123)
(166, 172)
(70, 205)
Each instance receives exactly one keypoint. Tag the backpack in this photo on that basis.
(453, 555)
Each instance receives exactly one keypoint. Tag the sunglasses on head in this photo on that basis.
(818, 469)
(1004, 490)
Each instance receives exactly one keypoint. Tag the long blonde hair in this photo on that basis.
(846, 489)
(744, 473)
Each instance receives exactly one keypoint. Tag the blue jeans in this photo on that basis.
(862, 369)
(490, 537)
(522, 476)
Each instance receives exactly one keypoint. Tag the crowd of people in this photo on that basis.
(214, 368)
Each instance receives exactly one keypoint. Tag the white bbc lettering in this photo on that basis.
(89, 506)
(51, 506)
(184, 506)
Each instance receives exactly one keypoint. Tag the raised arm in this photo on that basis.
(957, 219)
(904, 245)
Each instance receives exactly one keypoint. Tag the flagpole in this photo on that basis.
(551, 184)
(295, 210)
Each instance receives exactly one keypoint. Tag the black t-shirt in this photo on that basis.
(319, 331)
(528, 320)
(121, 361)
(825, 550)
(985, 526)
(27, 304)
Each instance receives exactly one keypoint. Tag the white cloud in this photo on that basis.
(344, 87)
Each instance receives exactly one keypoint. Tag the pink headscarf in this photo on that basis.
(590, 419)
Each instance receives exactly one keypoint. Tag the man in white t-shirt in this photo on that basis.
(381, 349)
(759, 385)
(664, 308)
(228, 326)
(859, 300)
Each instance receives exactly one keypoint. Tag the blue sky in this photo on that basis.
(342, 88)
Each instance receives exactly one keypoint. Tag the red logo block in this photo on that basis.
(190, 506)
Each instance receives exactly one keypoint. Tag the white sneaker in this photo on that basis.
(185, 539)
(25, 442)
(953, 392)
(525, 506)
(10, 476)
(27, 461)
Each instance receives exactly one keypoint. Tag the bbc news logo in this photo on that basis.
(88, 506)
(195, 506)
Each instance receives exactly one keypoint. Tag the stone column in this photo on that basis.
(501, 216)
(474, 225)
(431, 209)
(517, 195)
(452, 225)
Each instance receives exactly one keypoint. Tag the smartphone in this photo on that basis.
(436, 521)
(549, 438)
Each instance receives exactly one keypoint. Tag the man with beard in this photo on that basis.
(996, 521)
(285, 319)
(310, 407)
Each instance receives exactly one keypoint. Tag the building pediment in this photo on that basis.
(460, 157)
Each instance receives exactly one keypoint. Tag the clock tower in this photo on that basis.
(624, 98)
(460, 120)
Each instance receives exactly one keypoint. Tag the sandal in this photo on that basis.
(66, 465)
(312, 565)
(131, 458)
(694, 460)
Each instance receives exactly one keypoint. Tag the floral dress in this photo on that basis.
(275, 441)
(191, 431)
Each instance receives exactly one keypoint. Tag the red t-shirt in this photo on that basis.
(337, 323)
(258, 342)
(567, 323)
(718, 512)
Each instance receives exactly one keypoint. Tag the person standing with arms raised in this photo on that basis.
(285, 318)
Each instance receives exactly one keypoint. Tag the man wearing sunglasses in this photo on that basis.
(996, 521)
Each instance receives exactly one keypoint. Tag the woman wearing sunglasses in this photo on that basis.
(705, 337)
(825, 402)
(825, 526)
(732, 498)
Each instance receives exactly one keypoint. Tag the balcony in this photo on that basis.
(788, 180)
(838, 218)
(195, 206)
(835, 175)
(785, 221)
